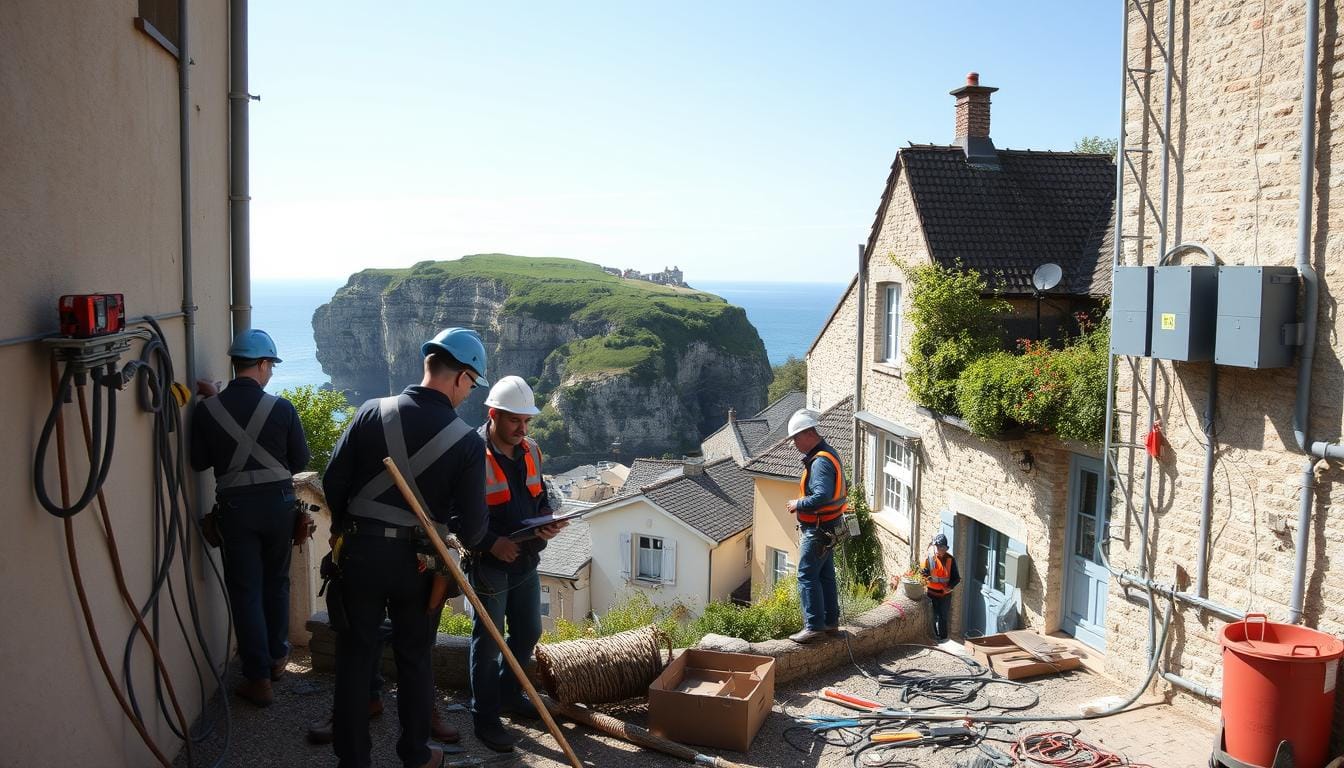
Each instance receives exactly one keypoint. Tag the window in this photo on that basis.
(898, 478)
(545, 601)
(891, 323)
(158, 19)
(748, 549)
(779, 565)
(650, 559)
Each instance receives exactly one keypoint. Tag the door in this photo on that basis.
(1086, 579)
(986, 590)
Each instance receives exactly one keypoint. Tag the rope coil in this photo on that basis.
(605, 669)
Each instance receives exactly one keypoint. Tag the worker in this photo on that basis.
(821, 504)
(378, 546)
(504, 571)
(940, 568)
(254, 442)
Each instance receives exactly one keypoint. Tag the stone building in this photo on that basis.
(1236, 117)
(1004, 503)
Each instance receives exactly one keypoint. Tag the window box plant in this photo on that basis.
(913, 582)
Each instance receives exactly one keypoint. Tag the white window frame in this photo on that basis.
(776, 573)
(655, 544)
(891, 323)
(545, 601)
(890, 466)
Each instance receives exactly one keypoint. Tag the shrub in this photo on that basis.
(323, 414)
(954, 324)
(860, 559)
(789, 376)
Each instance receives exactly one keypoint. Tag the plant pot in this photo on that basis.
(913, 588)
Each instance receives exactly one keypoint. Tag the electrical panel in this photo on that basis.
(1184, 312)
(1257, 316)
(1017, 567)
(1131, 302)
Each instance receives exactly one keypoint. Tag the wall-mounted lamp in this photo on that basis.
(1024, 460)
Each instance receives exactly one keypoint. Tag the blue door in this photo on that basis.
(1085, 579)
(985, 587)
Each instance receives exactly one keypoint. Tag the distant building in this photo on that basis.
(673, 276)
(591, 482)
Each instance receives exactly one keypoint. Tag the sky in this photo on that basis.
(737, 140)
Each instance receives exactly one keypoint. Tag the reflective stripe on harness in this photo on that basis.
(839, 502)
(364, 503)
(247, 447)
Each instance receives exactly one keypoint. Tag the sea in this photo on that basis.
(788, 316)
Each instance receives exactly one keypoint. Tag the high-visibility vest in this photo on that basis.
(940, 575)
(497, 483)
(839, 499)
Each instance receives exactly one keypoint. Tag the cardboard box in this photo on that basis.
(712, 699)
(1016, 666)
(983, 649)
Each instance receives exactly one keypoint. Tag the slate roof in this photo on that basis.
(718, 502)
(766, 427)
(645, 471)
(836, 427)
(566, 554)
(1037, 207)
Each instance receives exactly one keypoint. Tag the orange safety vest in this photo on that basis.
(839, 499)
(497, 483)
(940, 575)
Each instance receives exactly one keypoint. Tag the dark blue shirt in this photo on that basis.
(508, 517)
(453, 486)
(281, 436)
(821, 480)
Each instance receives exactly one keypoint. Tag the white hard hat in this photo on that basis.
(512, 394)
(802, 419)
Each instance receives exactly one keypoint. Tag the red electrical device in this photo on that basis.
(85, 315)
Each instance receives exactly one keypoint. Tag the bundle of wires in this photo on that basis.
(960, 690)
(1055, 749)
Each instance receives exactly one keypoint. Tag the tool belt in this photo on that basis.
(427, 557)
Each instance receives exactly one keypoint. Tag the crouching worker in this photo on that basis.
(503, 571)
(379, 542)
(254, 442)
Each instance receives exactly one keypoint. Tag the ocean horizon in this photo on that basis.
(788, 317)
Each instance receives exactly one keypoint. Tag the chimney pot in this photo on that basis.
(973, 78)
(972, 122)
(732, 415)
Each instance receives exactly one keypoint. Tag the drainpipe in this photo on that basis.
(862, 288)
(240, 226)
(1223, 612)
(1311, 288)
(184, 182)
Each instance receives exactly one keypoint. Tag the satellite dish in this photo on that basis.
(1046, 276)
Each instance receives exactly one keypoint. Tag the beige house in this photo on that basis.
(775, 473)
(94, 197)
(1010, 505)
(566, 576)
(679, 533)
(1272, 538)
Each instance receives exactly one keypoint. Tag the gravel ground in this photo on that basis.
(1154, 733)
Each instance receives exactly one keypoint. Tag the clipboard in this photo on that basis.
(528, 529)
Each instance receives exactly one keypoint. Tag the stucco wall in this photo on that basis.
(830, 363)
(773, 527)
(1237, 116)
(88, 144)
(730, 566)
(640, 517)
(570, 598)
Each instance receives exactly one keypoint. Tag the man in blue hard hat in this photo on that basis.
(378, 542)
(254, 443)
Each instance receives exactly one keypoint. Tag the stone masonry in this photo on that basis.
(830, 361)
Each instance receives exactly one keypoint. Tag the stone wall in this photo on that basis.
(1236, 121)
(830, 362)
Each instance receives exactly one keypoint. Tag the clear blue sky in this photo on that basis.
(739, 140)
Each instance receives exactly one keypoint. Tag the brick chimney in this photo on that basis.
(973, 122)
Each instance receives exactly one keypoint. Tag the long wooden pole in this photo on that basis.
(636, 735)
(482, 615)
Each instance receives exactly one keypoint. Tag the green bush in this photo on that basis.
(860, 559)
(789, 376)
(954, 324)
(454, 623)
(323, 414)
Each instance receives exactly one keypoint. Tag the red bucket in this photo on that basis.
(1278, 685)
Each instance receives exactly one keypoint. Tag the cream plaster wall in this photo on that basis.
(640, 517)
(774, 527)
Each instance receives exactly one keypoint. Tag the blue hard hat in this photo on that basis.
(464, 346)
(253, 344)
(939, 540)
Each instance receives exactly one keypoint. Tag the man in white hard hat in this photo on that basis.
(821, 504)
(504, 569)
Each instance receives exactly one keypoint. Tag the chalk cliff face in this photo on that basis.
(611, 360)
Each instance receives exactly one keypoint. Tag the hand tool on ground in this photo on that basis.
(635, 735)
(481, 613)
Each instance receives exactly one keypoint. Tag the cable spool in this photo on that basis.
(604, 669)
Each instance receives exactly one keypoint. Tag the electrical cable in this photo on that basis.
(100, 461)
(1053, 749)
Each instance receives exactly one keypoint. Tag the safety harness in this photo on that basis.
(272, 470)
(365, 503)
(839, 501)
(497, 483)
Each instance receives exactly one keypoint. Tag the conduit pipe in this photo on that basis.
(240, 185)
(1128, 579)
(862, 288)
(184, 181)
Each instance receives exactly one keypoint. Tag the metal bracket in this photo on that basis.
(90, 354)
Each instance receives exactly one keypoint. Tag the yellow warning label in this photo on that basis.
(1168, 321)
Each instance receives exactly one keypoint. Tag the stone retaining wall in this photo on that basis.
(896, 621)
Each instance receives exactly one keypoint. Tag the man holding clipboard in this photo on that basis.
(504, 563)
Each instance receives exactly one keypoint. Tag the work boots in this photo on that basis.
(319, 732)
(807, 636)
(494, 735)
(256, 692)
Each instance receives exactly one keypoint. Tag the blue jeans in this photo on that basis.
(515, 597)
(257, 532)
(816, 578)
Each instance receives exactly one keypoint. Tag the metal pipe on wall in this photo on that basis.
(240, 191)
(1169, 590)
(184, 182)
(1206, 496)
(1310, 284)
(862, 288)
